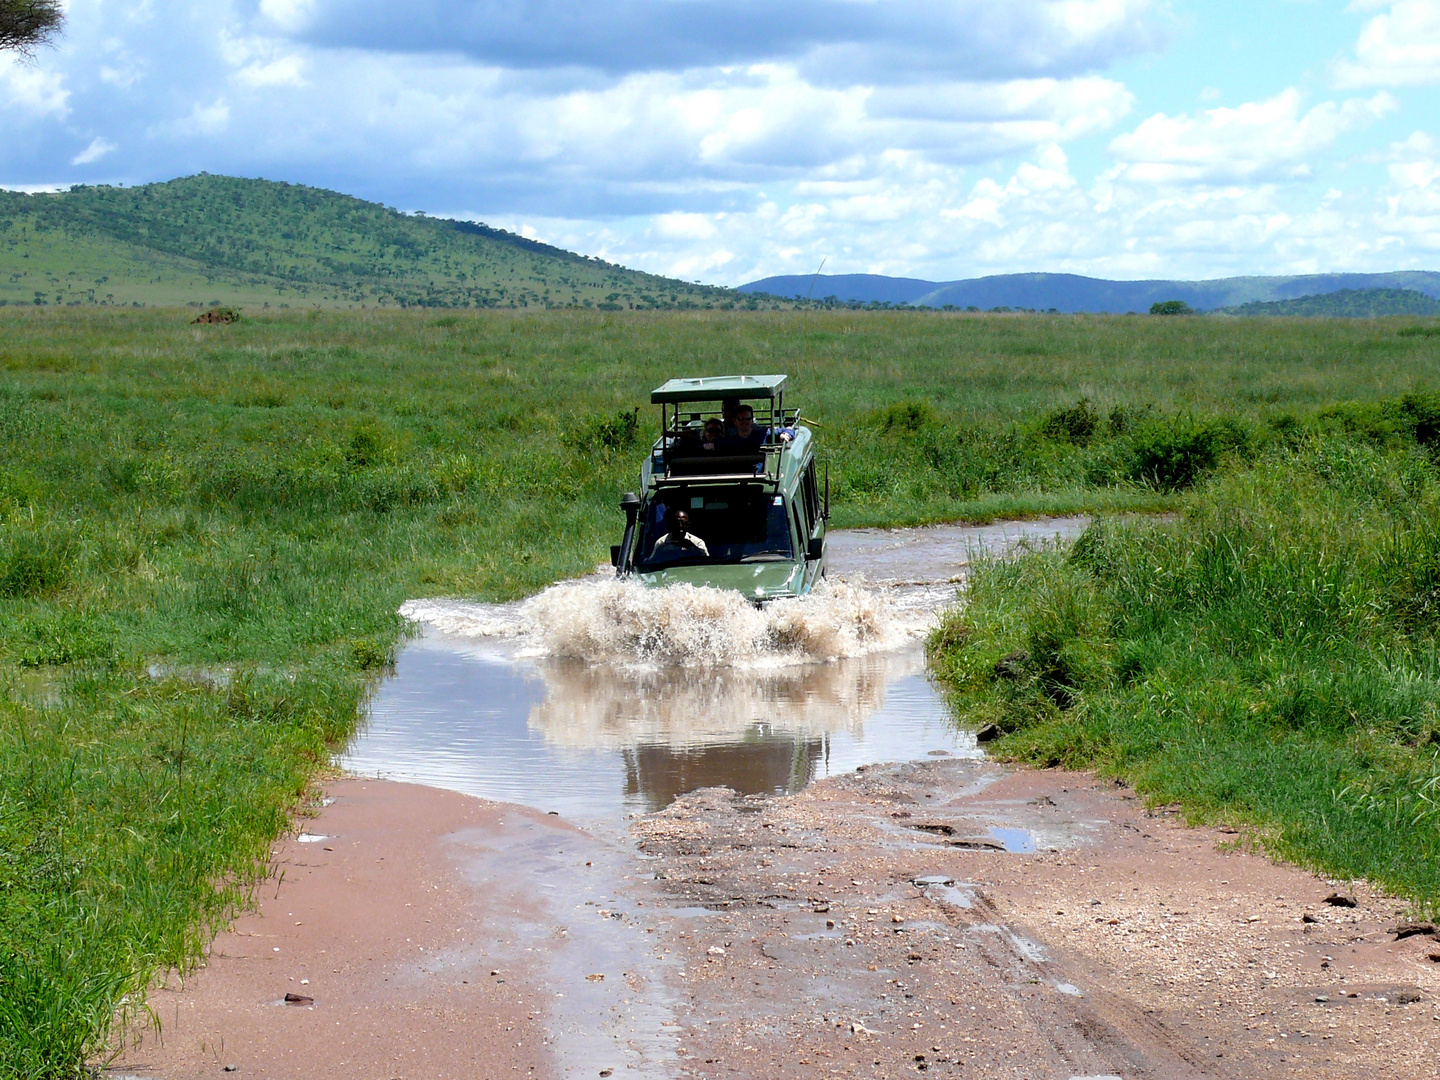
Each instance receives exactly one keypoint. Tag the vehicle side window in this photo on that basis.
(811, 493)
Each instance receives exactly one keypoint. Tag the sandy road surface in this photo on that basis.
(443, 936)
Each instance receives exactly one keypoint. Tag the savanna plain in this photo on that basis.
(207, 531)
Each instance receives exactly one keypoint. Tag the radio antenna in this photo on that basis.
(805, 319)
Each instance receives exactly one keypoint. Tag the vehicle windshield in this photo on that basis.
(735, 523)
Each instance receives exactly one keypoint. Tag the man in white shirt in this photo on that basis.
(680, 536)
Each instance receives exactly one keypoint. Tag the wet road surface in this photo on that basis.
(781, 904)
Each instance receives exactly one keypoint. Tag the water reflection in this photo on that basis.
(757, 763)
(476, 712)
(604, 706)
(597, 742)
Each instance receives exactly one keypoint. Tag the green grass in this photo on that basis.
(259, 244)
(205, 533)
(1268, 658)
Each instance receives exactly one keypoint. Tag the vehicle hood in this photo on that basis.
(756, 581)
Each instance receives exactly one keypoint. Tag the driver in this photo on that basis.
(679, 535)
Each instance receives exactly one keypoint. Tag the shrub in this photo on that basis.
(223, 316)
(35, 561)
(904, 416)
(1171, 307)
(619, 431)
(368, 446)
(1170, 455)
(371, 654)
(1421, 413)
(1077, 424)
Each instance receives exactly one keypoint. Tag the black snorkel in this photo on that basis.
(620, 553)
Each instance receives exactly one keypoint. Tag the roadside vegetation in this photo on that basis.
(205, 532)
(1267, 657)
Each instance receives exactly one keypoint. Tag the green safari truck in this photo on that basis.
(730, 496)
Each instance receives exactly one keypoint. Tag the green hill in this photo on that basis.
(206, 239)
(1346, 303)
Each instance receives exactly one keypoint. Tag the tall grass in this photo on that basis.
(1268, 658)
(205, 533)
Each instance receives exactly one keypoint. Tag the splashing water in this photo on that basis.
(607, 620)
(601, 697)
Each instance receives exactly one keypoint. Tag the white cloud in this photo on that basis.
(286, 71)
(98, 148)
(288, 16)
(202, 121)
(120, 67)
(1260, 140)
(1400, 47)
(936, 138)
(1415, 163)
(681, 226)
(700, 132)
(915, 218)
(32, 89)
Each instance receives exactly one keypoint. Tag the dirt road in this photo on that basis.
(947, 917)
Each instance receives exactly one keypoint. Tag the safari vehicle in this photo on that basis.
(744, 511)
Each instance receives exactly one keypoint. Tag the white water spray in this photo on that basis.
(603, 620)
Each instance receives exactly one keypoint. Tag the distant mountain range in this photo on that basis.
(205, 240)
(1071, 292)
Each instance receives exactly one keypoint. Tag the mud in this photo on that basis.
(817, 915)
(948, 917)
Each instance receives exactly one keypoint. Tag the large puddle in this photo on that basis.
(598, 699)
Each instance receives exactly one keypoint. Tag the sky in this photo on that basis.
(727, 140)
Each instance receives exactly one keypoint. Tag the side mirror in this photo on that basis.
(615, 555)
(816, 548)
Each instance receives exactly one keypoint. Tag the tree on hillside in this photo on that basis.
(26, 24)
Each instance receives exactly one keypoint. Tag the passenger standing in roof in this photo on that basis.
(714, 434)
(747, 438)
(728, 408)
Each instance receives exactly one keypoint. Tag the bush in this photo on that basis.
(1171, 307)
(619, 431)
(1421, 413)
(1077, 424)
(35, 560)
(1269, 658)
(1170, 455)
(904, 417)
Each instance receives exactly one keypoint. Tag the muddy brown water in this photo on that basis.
(545, 705)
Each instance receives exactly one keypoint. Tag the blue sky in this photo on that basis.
(724, 140)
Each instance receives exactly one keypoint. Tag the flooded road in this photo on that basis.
(600, 700)
(941, 913)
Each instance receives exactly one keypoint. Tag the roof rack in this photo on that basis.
(718, 388)
(676, 421)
